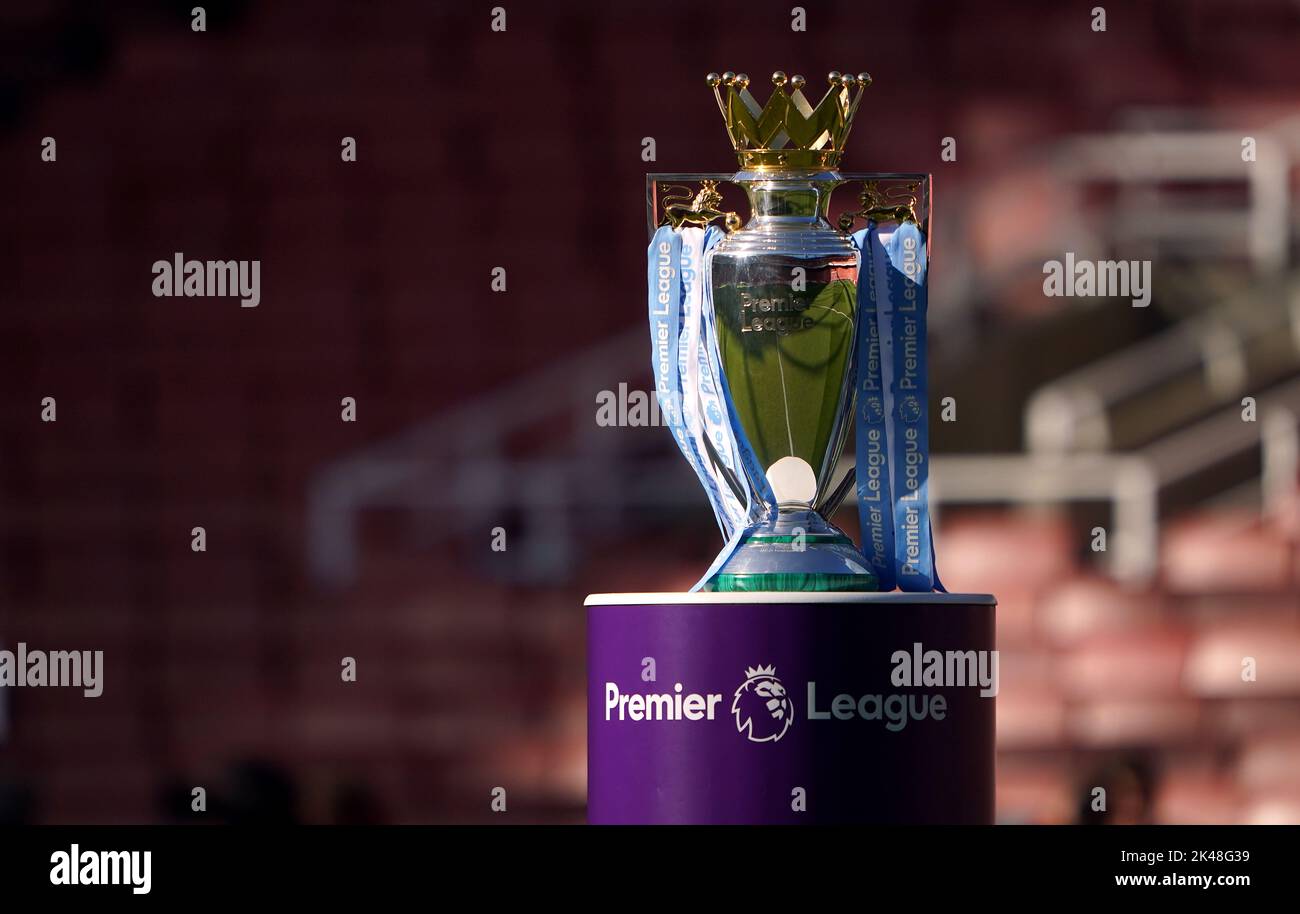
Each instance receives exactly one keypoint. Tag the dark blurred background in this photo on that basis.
(476, 409)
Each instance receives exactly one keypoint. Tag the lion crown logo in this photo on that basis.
(762, 707)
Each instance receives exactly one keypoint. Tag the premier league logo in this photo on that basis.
(873, 409)
(909, 410)
(761, 706)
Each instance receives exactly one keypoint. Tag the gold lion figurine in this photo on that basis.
(876, 207)
(701, 210)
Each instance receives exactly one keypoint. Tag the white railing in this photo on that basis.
(1145, 162)
(1133, 482)
(457, 461)
(1072, 413)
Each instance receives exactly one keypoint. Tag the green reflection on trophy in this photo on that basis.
(798, 343)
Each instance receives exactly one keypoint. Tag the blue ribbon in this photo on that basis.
(871, 432)
(664, 278)
(707, 429)
(692, 390)
(899, 262)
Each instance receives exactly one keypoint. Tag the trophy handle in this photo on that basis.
(687, 199)
(876, 206)
(699, 209)
(831, 503)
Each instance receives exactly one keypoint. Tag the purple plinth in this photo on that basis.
(790, 708)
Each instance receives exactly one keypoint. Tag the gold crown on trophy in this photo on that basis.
(788, 132)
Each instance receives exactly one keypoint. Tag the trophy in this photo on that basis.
(785, 322)
(790, 684)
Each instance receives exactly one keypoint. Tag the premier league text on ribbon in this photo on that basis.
(663, 283)
(911, 382)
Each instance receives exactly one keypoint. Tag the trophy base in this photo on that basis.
(798, 551)
(710, 708)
